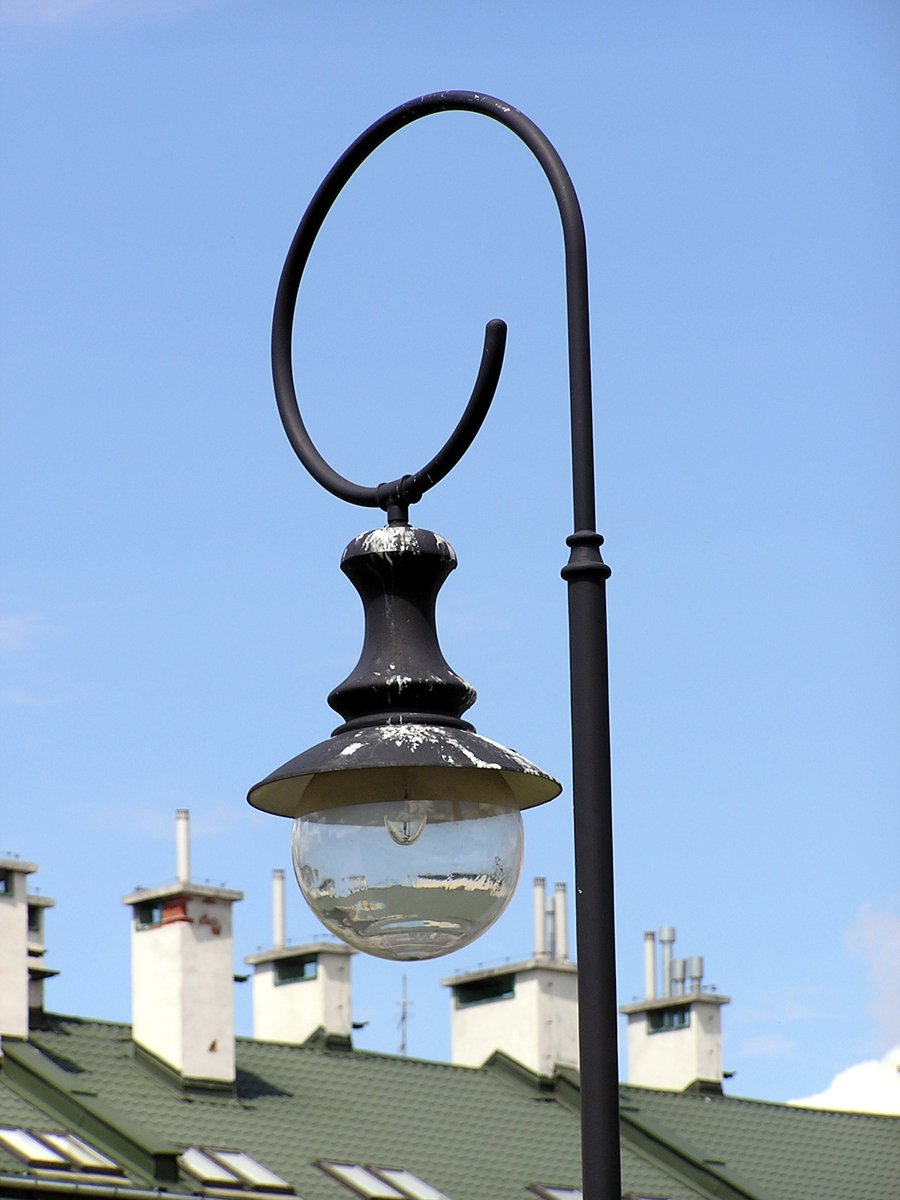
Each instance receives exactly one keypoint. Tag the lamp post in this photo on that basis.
(404, 760)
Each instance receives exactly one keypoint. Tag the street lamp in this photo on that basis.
(407, 830)
(407, 839)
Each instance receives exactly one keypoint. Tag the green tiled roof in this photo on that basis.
(788, 1153)
(473, 1133)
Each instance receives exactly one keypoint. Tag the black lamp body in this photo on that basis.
(402, 704)
(401, 675)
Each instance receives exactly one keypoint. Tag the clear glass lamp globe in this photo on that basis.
(419, 866)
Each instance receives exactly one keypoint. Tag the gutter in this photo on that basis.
(21, 1184)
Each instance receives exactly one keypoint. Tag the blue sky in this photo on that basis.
(173, 615)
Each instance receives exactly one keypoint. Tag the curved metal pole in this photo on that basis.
(585, 575)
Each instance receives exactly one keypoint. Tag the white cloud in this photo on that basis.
(875, 937)
(872, 1086)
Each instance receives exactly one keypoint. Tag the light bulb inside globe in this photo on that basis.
(422, 865)
(405, 821)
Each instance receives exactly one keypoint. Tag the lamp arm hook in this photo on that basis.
(396, 497)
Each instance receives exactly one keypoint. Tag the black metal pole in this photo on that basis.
(585, 574)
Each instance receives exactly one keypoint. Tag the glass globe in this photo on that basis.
(422, 864)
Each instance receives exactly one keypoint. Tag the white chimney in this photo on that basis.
(299, 989)
(182, 972)
(528, 1010)
(22, 970)
(674, 1040)
(37, 972)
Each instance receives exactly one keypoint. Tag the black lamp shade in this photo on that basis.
(431, 751)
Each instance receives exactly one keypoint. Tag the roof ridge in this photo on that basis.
(758, 1102)
(356, 1052)
(76, 1020)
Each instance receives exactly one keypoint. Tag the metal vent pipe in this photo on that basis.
(278, 937)
(678, 970)
(183, 845)
(540, 918)
(695, 972)
(667, 937)
(649, 965)
(560, 924)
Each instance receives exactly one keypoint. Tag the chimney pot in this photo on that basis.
(695, 972)
(278, 922)
(183, 845)
(560, 924)
(540, 918)
(650, 965)
(678, 972)
(667, 937)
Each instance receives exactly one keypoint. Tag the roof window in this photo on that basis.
(57, 1151)
(231, 1169)
(555, 1193)
(382, 1183)
(408, 1184)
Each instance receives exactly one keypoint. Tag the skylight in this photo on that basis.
(556, 1193)
(27, 1146)
(363, 1181)
(57, 1151)
(79, 1152)
(382, 1183)
(231, 1169)
(409, 1185)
